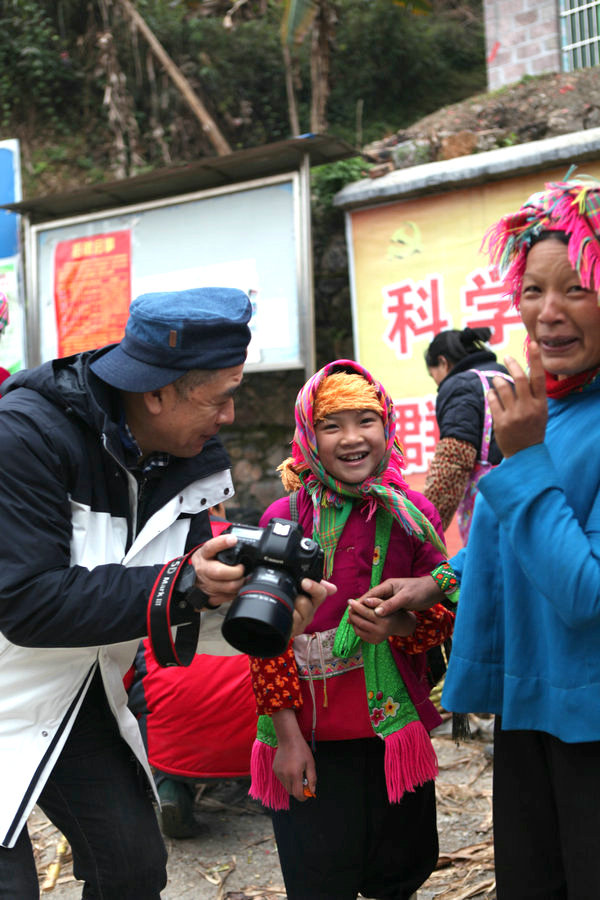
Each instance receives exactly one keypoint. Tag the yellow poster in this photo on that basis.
(418, 269)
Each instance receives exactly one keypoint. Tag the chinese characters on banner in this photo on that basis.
(417, 269)
(92, 290)
(417, 310)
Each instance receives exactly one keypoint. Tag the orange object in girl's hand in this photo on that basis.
(306, 790)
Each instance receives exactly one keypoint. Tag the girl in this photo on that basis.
(353, 813)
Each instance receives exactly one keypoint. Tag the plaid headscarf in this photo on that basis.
(3, 312)
(571, 206)
(333, 499)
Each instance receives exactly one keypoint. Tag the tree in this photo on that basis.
(319, 19)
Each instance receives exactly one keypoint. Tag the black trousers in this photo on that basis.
(101, 802)
(351, 838)
(546, 817)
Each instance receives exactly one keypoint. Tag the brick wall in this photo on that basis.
(522, 38)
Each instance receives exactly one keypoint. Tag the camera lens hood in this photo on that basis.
(259, 621)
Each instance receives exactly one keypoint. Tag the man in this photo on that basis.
(110, 464)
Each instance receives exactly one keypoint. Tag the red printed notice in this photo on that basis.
(92, 290)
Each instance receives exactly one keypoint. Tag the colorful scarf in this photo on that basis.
(571, 206)
(333, 499)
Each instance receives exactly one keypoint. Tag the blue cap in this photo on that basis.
(171, 332)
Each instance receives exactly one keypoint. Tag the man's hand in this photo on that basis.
(520, 415)
(307, 603)
(404, 593)
(377, 628)
(220, 581)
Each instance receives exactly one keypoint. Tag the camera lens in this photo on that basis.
(259, 621)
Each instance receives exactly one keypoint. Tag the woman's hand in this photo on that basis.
(520, 415)
(375, 628)
(293, 761)
(394, 594)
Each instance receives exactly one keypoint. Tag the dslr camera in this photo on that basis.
(276, 559)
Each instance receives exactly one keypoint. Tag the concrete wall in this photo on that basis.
(522, 38)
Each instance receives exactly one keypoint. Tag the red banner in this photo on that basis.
(92, 290)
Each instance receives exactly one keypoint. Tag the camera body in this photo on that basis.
(276, 558)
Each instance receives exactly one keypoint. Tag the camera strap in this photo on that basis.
(173, 645)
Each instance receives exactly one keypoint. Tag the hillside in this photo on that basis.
(529, 110)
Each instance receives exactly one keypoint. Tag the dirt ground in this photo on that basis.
(237, 858)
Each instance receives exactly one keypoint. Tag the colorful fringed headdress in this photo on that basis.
(341, 385)
(571, 206)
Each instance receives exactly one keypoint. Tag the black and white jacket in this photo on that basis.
(76, 570)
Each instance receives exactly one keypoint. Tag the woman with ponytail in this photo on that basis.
(462, 366)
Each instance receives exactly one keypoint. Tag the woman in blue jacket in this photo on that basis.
(527, 636)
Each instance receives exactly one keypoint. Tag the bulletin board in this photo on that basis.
(86, 270)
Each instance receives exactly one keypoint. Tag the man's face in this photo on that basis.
(182, 425)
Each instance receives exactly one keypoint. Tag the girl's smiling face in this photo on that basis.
(351, 444)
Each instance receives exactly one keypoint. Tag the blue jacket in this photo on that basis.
(527, 634)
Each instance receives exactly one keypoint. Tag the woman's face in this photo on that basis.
(558, 312)
(440, 370)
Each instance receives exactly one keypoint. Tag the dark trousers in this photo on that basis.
(351, 838)
(100, 801)
(546, 817)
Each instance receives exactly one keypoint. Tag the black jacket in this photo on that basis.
(460, 405)
(63, 469)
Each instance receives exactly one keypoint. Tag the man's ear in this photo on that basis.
(154, 401)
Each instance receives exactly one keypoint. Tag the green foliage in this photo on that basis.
(242, 74)
(238, 72)
(36, 78)
(400, 66)
(328, 179)
(58, 57)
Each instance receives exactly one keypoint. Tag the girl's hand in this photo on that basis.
(307, 603)
(520, 415)
(375, 628)
(293, 761)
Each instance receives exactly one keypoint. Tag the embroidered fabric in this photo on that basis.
(316, 662)
(315, 659)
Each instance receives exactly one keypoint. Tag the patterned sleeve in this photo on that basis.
(434, 626)
(275, 682)
(448, 474)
